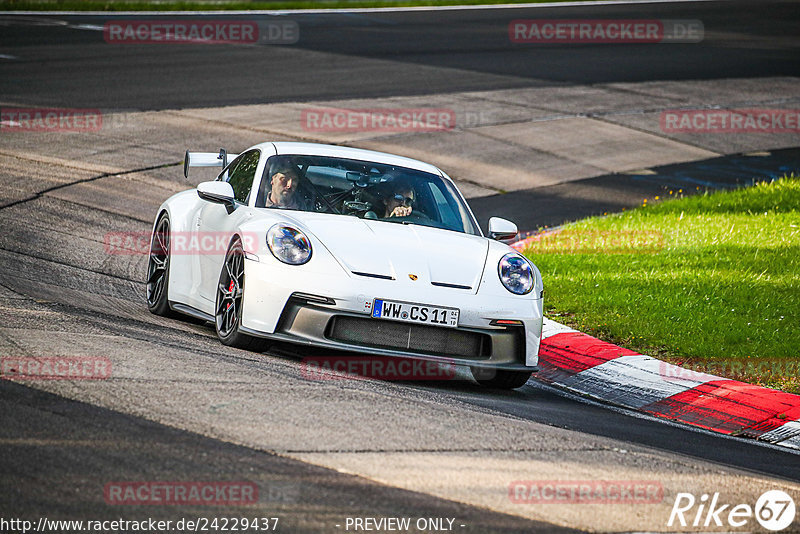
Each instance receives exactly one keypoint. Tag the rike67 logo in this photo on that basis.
(774, 510)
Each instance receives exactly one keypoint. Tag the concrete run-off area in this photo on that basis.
(516, 139)
(490, 142)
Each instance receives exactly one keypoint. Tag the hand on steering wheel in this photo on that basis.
(401, 211)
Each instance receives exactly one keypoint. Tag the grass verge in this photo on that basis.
(710, 282)
(234, 5)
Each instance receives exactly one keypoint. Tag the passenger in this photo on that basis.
(398, 199)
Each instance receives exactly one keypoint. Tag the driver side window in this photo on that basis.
(241, 173)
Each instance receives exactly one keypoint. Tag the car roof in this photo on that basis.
(318, 149)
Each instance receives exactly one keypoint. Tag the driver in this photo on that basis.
(283, 191)
(399, 199)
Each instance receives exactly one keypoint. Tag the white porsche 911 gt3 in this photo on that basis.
(348, 249)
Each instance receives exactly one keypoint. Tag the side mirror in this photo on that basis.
(501, 229)
(219, 192)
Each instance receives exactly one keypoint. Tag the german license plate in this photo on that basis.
(415, 313)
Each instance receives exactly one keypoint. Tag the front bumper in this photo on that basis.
(325, 307)
(317, 324)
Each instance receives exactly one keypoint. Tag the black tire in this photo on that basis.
(230, 297)
(158, 269)
(499, 379)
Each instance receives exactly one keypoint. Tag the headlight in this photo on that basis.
(516, 273)
(288, 244)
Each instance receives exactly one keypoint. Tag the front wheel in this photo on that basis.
(230, 296)
(499, 379)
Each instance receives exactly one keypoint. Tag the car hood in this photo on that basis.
(381, 249)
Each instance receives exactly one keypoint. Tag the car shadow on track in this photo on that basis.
(325, 365)
(533, 402)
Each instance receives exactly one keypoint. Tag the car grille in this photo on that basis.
(410, 337)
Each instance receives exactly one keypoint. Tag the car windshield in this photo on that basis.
(363, 189)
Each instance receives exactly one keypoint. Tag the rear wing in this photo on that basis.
(206, 159)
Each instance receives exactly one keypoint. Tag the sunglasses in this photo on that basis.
(403, 200)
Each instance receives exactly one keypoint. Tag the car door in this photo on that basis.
(215, 225)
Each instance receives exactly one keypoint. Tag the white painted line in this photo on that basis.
(359, 10)
(8, 56)
(32, 21)
(92, 27)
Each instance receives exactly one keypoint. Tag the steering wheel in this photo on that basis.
(415, 215)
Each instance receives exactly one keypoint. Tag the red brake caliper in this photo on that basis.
(230, 290)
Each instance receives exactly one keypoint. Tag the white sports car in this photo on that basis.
(347, 249)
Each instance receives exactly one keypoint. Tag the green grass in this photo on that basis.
(195, 5)
(724, 286)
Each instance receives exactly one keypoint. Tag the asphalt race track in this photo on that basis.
(430, 52)
(180, 406)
